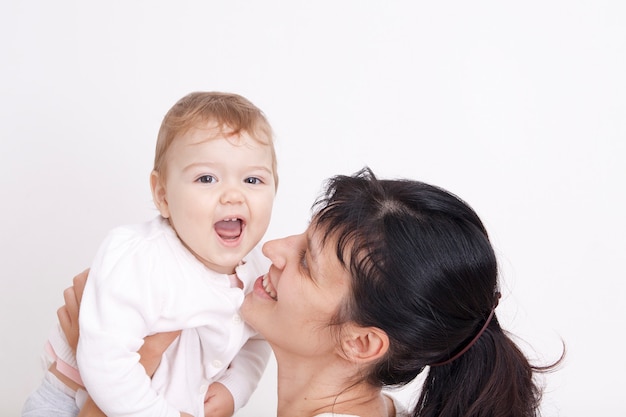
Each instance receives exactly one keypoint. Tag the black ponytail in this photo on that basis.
(492, 379)
(424, 271)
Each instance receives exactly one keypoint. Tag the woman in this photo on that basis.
(390, 278)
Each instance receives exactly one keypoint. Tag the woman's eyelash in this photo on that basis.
(302, 257)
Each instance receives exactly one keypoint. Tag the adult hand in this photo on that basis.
(68, 319)
(90, 409)
(153, 348)
(68, 313)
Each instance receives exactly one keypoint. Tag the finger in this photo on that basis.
(69, 327)
(64, 318)
(161, 341)
(71, 304)
(79, 282)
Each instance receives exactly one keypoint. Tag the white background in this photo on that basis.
(518, 107)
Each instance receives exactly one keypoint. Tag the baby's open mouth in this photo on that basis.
(229, 229)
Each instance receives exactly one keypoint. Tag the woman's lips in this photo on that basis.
(263, 286)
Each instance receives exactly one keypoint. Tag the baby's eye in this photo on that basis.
(253, 180)
(206, 179)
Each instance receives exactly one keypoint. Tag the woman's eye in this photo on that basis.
(253, 180)
(206, 179)
(303, 263)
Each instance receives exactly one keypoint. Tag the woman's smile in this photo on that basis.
(269, 288)
(264, 288)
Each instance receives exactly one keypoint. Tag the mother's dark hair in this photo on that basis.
(424, 271)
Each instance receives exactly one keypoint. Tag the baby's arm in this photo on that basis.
(122, 303)
(152, 348)
(150, 352)
(243, 375)
(111, 330)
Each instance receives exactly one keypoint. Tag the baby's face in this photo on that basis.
(218, 194)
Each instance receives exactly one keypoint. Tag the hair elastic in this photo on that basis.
(470, 344)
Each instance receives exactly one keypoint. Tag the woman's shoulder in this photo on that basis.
(399, 413)
(401, 410)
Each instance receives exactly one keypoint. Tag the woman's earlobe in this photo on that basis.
(365, 344)
(159, 195)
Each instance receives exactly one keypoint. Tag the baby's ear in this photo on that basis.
(363, 344)
(159, 194)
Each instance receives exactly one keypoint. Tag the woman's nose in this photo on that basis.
(279, 250)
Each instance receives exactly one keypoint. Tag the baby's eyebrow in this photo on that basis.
(261, 168)
(200, 165)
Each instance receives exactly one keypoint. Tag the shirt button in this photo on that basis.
(203, 389)
(216, 363)
(236, 319)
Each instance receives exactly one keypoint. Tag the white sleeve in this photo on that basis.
(119, 303)
(243, 375)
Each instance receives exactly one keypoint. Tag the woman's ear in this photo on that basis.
(159, 196)
(363, 344)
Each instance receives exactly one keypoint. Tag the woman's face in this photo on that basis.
(293, 304)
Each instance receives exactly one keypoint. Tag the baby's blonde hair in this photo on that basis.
(233, 114)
